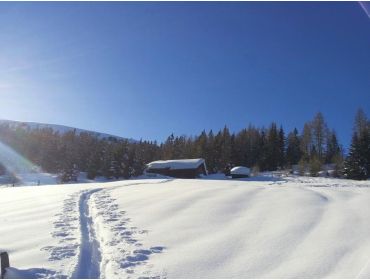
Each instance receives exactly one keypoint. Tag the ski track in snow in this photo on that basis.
(87, 213)
(88, 265)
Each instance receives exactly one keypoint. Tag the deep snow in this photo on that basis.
(264, 227)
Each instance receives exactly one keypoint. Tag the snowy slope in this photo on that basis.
(59, 128)
(264, 228)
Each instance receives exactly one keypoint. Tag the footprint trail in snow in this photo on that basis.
(100, 236)
(123, 255)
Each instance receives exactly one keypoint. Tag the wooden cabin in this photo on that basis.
(179, 168)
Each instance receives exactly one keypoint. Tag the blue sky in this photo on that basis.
(145, 70)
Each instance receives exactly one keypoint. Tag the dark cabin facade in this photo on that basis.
(182, 168)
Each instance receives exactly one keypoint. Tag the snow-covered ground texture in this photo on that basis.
(263, 227)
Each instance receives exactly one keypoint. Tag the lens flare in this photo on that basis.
(366, 7)
(14, 162)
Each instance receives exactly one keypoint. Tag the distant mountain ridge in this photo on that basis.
(62, 129)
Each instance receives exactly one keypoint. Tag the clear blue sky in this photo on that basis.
(145, 70)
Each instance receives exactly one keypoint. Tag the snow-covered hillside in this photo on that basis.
(60, 128)
(257, 227)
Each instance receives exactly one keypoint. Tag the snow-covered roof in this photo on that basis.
(240, 170)
(176, 164)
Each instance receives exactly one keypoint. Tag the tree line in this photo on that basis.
(69, 153)
(263, 149)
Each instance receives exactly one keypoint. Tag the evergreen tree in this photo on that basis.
(361, 123)
(210, 153)
(201, 143)
(225, 148)
(236, 152)
(293, 151)
(263, 152)
(282, 152)
(355, 164)
(338, 162)
(168, 148)
(272, 149)
(218, 152)
(365, 151)
(333, 150)
(255, 147)
(69, 173)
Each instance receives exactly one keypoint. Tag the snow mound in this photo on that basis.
(240, 170)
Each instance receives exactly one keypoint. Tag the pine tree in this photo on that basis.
(93, 164)
(263, 152)
(333, 150)
(225, 148)
(210, 156)
(236, 152)
(365, 150)
(282, 157)
(255, 147)
(357, 164)
(272, 149)
(69, 173)
(354, 166)
(201, 145)
(293, 151)
(338, 162)
(168, 148)
(361, 123)
(178, 147)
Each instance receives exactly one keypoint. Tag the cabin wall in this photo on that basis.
(202, 169)
(184, 173)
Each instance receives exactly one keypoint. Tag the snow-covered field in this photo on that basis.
(294, 227)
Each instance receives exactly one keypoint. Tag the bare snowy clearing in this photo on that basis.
(294, 227)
